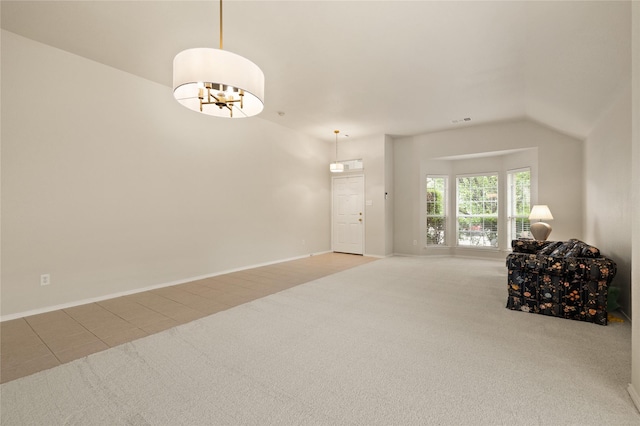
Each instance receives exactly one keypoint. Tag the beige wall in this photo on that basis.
(608, 193)
(557, 169)
(612, 197)
(634, 387)
(110, 186)
(388, 178)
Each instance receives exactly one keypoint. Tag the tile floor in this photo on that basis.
(39, 342)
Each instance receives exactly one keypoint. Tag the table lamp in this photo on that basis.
(540, 230)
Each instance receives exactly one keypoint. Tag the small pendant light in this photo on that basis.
(336, 167)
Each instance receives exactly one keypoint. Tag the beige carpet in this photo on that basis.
(400, 341)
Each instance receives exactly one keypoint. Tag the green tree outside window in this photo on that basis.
(436, 210)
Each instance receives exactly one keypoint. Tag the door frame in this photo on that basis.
(364, 215)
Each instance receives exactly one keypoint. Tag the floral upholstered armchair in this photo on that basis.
(566, 279)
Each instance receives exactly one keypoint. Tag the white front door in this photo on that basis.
(348, 214)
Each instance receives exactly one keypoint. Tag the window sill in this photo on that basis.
(484, 248)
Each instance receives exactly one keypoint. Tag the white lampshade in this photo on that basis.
(192, 68)
(336, 167)
(540, 212)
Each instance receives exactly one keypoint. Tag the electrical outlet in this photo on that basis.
(415, 242)
(304, 242)
(45, 279)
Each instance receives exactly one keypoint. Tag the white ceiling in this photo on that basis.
(370, 67)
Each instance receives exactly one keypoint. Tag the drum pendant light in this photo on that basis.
(216, 82)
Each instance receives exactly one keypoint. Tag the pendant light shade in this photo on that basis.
(216, 82)
(336, 167)
(205, 80)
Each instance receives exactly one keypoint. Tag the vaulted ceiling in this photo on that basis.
(370, 67)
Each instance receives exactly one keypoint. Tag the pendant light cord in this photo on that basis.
(220, 24)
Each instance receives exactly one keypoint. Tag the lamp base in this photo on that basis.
(540, 230)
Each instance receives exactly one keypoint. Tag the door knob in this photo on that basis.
(360, 219)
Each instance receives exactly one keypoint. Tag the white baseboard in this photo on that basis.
(377, 256)
(634, 396)
(625, 315)
(423, 256)
(148, 288)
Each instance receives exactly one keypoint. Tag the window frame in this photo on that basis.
(495, 217)
(444, 216)
(512, 217)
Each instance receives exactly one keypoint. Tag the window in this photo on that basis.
(436, 210)
(477, 212)
(519, 203)
(352, 165)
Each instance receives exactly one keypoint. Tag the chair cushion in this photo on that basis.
(524, 245)
(550, 248)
